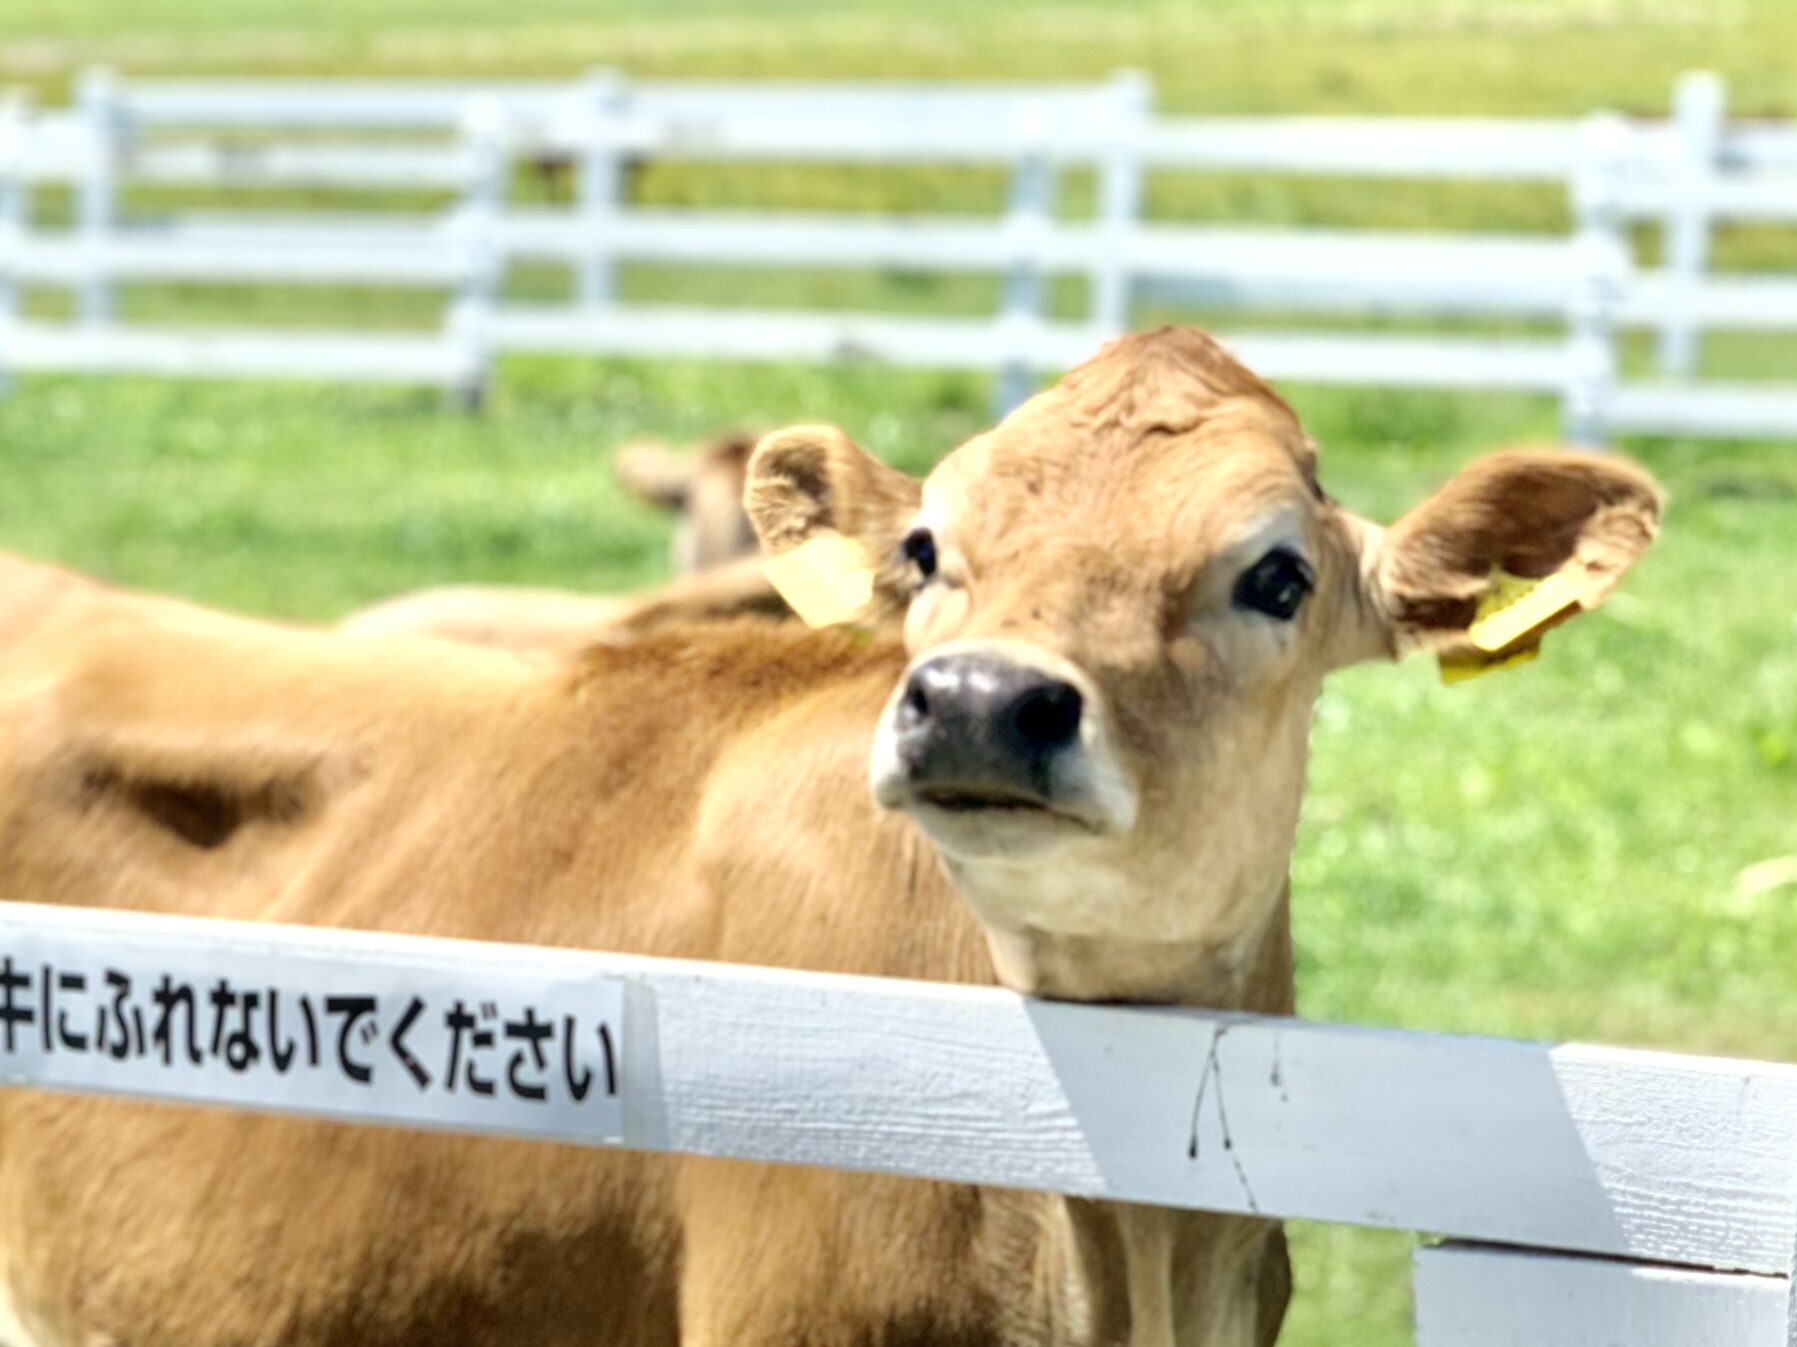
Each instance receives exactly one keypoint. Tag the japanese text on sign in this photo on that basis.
(353, 1040)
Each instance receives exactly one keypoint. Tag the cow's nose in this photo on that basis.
(983, 728)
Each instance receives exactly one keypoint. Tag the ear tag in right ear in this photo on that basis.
(825, 580)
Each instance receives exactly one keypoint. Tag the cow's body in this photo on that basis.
(1085, 762)
(399, 786)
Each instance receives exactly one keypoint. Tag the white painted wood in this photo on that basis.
(299, 164)
(1456, 147)
(15, 206)
(1621, 170)
(1699, 111)
(469, 321)
(1592, 304)
(1470, 1296)
(1720, 410)
(36, 347)
(427, 105)
(600, 185)
(657, 331)
(969, 343)
(1029, 217)
(1641, 1155)
(96, 196)
(1766, 303)
(432, 260)
(1121, 186)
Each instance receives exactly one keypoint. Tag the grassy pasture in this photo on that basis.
(1574, 850)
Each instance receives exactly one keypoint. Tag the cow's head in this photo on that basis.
(1119, 606)
(703, 487)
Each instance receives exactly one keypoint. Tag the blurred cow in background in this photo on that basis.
(713, 560)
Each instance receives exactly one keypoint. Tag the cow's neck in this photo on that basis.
(1252, 972)
(1149, 1276)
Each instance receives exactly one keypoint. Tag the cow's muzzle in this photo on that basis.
(998, 736)
(978, 731)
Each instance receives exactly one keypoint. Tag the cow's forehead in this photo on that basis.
(1160, 433)
(1240, 474)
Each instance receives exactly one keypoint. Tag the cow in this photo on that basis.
(703, 489)
(1058, 746)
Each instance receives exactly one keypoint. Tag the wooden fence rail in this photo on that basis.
(1620, 1183)
(458, 143)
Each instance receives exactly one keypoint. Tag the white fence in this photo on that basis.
(1614, 1196)
(461, 143)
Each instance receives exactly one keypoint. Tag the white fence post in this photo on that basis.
(1604, 258)
(96, 206)
(484, 138)
(15, 213)
(1120, 191)
(1699, 113)
(1028, 217)
(600, 182)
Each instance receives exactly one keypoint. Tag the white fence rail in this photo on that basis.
(458, 144)
(1658, 1192)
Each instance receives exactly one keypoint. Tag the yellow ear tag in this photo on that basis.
(1463, 668)
(1513, 608)
(825, 580)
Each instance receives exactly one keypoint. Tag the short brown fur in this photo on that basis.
(698, 792)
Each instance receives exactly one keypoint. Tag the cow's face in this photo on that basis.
(1119, 606)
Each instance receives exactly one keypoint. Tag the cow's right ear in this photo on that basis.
(810, 481)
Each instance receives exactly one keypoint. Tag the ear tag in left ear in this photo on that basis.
(1513, 609)
(825, 580)
(1464, 668)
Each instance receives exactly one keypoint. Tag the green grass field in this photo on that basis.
(1567, 851)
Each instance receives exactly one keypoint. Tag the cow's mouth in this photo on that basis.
(969, 802)
(998, 804)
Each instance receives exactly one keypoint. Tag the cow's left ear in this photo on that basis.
(810, 484)
(1577, 521)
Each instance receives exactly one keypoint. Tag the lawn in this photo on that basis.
(1566, 851)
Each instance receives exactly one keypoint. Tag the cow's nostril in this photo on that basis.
(914, 708)
(1047, 715)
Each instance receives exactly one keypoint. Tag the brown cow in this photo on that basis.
(1086, 763)
(703, 489)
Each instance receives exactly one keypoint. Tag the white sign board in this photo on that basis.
(296, 1029)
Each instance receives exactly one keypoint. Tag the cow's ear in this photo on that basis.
(654, 473)
(811, 480)
(813, 485)
(808, 480)
(1455, 575)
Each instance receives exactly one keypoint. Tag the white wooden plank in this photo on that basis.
(1756, 302)
(242, 353)
(422, 105)
(1468, 1296)
(1641, 1155)
(1451, 147)
(1730, 411)
(298, 164)
(764, 335)
(425, 259)
(1396, 361)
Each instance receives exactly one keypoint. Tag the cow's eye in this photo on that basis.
(920, 550)
(1275, 585)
